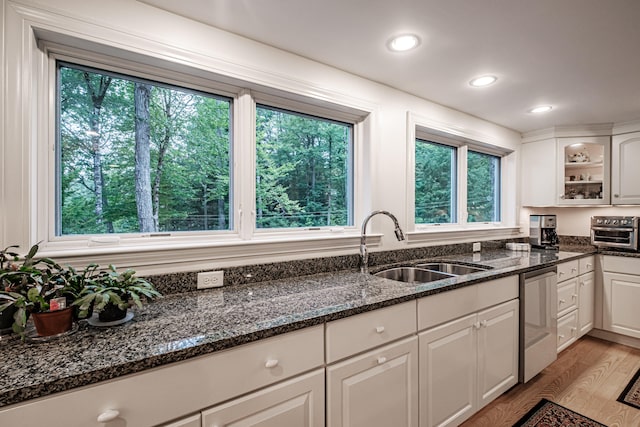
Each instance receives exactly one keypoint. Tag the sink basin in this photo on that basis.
(451, 268)
(412, 275)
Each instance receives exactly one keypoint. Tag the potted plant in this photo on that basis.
(8, 260)
(111, 293)
(35, 288)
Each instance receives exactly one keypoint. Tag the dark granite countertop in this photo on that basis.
(189, 324)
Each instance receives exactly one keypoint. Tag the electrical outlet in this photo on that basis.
(476, 247)
(210, 279)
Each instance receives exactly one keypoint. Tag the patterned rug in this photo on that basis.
(549, 414)
(631, 393)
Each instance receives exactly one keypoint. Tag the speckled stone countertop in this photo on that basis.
(189, 324)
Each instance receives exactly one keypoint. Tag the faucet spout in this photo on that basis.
(364, 253)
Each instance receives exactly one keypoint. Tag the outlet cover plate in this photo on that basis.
(210, 279)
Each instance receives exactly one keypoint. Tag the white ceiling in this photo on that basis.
(581, 56)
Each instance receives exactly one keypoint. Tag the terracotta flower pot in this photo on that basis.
(56, 322)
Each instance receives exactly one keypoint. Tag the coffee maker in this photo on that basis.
(542, 232)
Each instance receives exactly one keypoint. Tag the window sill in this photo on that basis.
(458, 234)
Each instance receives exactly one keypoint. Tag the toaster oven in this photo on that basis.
(615, 232)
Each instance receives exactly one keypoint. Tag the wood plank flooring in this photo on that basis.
(588, 377)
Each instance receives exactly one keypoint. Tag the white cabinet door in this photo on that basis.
(294, 403)
(583, 170)
(625, 173)
(621, 299)
(376, 389)
(497, 351)
(192, 421)
(586, 302)
(539, 181)
(448, 372)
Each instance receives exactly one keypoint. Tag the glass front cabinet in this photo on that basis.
(583, 170)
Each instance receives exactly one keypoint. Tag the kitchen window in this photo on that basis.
(483, 187)
(304, 170)
(436, 183)
(455, 184)
(138, 156)
(147, 157)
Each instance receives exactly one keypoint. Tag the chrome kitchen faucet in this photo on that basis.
(364, 253)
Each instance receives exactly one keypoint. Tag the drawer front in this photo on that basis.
(568, 270)
(567, 296)
(367, 330)
(586, 265)
(166, 393)
(446, 306)
(567, 330)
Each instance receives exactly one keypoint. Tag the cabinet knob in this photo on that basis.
(483, 324)
(589, 265)
(271, 363)
(615, 195)
(561, 301)
(560, 273)
(573, 270)
(380, 329)
(476, 325)
(381, 360)
(108, 415)
(560, 336)
(574, 296)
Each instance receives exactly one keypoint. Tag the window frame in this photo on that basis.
(430, 130)
(194, 249)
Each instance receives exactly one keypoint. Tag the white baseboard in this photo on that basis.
(616, 338)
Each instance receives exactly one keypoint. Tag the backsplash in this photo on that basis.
(186, 281)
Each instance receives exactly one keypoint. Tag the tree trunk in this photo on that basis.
(142, 94)
(97, 95)
(162, 151)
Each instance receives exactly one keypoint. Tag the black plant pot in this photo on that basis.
(6, 317)
(111, 313)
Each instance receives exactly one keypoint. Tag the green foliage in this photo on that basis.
(483, 184)
(435, 183)
(112, 287)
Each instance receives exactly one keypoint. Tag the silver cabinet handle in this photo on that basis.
(380, 329)
(271, 363)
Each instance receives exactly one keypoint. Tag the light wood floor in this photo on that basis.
(588, 377)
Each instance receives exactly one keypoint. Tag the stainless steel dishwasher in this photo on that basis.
(538, 321)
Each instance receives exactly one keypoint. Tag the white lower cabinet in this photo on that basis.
(466, 363)
(192, 421)
(576, 300)
(586, 302)
(298, 402)
(621, 302)
(376, 389)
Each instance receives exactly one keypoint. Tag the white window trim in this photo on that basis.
(30, 134)
(419, 127)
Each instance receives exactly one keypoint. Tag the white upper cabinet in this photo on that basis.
(566, 171)
(625, 173)
(583, 170)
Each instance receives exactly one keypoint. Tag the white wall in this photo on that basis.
(132, 26)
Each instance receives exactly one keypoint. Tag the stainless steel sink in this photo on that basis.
(412, 275)
(451, 268)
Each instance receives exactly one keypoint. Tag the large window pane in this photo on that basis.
(435, 193)
(483, 187)
(303, 170)
(139, 156)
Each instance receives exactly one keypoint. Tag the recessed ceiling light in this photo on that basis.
(403, 42)
(483, 81)
(541, 109)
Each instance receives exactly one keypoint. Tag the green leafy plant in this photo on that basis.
(113, 287)
(28, 286)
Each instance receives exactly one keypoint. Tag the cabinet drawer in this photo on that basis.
(567, 296)
(446, 306)
(567, 330)
(568, 270)
(367, 330)
(166, 393)
(585, 265)
(298, 402)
